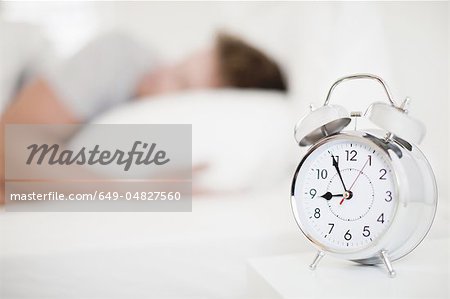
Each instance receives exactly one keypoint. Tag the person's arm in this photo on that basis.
(36, 103)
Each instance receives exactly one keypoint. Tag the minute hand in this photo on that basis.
(359, 173)
(336, 165)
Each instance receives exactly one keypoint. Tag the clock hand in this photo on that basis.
(328, 195)
(336, 165)
(348, 192)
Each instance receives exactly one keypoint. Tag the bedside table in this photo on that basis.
(424, 273)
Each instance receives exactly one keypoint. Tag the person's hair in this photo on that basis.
(242, 65)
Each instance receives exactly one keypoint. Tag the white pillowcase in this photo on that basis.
(244, 136)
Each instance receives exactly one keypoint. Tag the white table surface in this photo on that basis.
(422, 274)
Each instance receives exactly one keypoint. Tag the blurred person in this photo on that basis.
(115, 68)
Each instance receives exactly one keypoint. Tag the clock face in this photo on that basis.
(345, 194)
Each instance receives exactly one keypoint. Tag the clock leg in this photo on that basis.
(387, 262)
(317, 258)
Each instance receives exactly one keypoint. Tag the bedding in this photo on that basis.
(244, 137)
(201, 254)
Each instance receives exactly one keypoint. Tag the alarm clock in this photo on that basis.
(367, 196)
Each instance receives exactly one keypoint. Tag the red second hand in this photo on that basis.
(349, 189)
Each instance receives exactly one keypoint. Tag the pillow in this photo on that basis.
(243, 136)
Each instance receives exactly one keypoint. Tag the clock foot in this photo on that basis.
(317, 258)
(385, 257)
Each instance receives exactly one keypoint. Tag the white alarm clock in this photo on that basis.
(368, 196)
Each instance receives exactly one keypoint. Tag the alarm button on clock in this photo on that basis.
(321, 122)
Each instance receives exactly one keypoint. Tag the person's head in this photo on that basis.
(230, 62)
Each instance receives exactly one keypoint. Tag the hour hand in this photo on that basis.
(328, 195)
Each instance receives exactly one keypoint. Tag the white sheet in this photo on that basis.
(145, 255)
